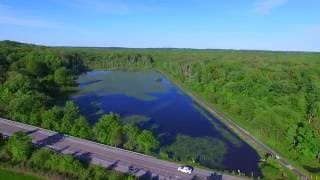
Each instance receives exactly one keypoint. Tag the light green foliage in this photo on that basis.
(39, 159)
(51, 119)
(303, 141)
(81, 128)
(47, 161)
(62, 76)
(108, 129)
(20, 147)
(147, 142)
(71, 113)
(132, 133)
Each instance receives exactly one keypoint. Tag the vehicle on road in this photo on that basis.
(185, 169)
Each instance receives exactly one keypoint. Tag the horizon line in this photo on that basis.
(177, 48)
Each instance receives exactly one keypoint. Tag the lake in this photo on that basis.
(187, 131)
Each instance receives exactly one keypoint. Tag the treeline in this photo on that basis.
(18, 153)
(113, 58)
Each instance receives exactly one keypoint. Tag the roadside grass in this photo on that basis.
(6, 174)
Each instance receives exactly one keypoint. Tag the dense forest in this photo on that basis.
(273, 95)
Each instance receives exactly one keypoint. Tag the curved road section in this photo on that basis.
(109, 157)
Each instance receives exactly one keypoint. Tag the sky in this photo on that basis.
(287, 25)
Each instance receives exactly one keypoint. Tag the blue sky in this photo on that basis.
(222, 24)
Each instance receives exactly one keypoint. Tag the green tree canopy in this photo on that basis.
(131, 134)
(108, 129)
(20, 146)
(147, 142)
(63, 76)
(81, 128)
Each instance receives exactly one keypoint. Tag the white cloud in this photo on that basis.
(11, 20)
(264, 7)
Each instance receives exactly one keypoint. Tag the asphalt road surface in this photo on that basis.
(109, 157)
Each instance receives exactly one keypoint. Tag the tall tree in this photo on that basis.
(81, 128)
(20, 146)
(147, 142)
(131, 134)
(108, 129)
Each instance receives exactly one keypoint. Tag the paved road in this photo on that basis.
(242, 132)
(106, 156)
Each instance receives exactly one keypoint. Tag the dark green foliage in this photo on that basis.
(147, 143)
(110, 130)
(131, 134)
(205, 151)
(36, 67)
(62, 76)
(28, 84)
(71, 113)
(51, 118)
(303, 141)
(19, 146)
(271, 169)
(81, 128)
(107, 129)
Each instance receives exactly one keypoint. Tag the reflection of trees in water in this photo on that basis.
(205, 151)
(130, 83)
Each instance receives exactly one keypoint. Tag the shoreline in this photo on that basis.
(243, 134)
